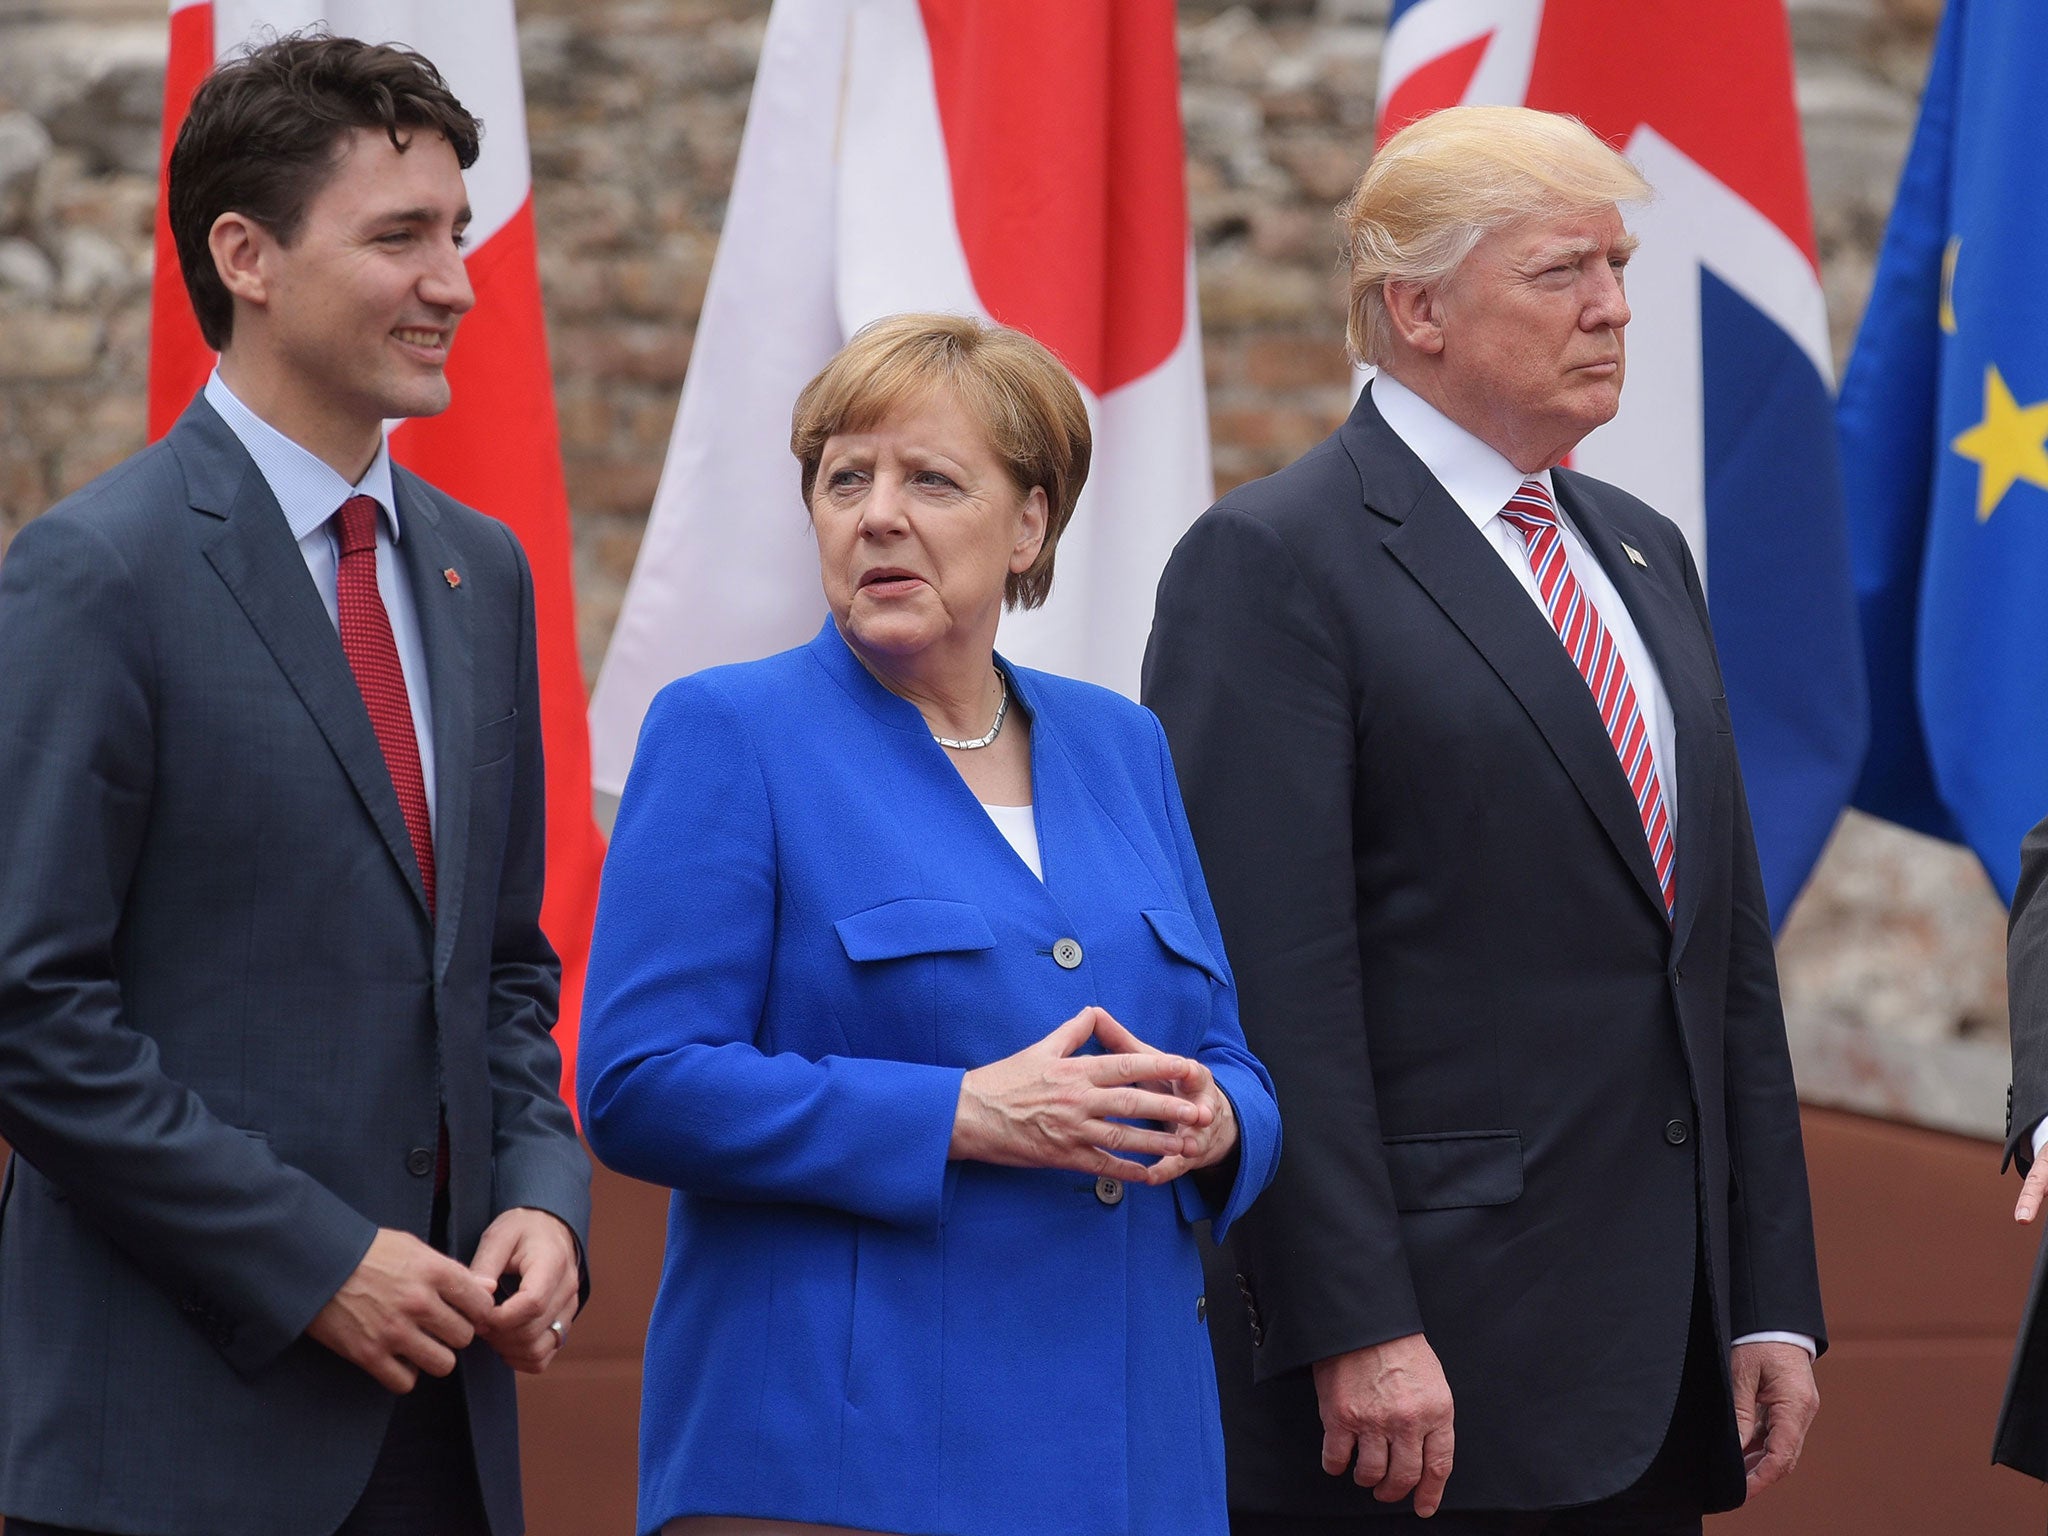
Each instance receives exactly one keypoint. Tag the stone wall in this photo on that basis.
(1893, 960)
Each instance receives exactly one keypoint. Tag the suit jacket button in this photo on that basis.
(1676, 1131)
(1109, 1191)
(1201, 1309)
(1066, 954)
(419, 1162)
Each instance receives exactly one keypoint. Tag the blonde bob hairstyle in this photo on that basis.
(1024, 401)
(1444, 182)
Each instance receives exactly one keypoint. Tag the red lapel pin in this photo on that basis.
(452, 576)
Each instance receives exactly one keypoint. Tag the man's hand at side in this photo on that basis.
(1775, 1401)
(1389, 1407)
(540, 1249)
(406, 1309)
(2034, 1192)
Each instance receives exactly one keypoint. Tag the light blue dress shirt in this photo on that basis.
(310, 492)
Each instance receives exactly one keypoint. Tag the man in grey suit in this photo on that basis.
(294, 1190)
(2022, 1439)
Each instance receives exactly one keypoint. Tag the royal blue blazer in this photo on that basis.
(808, 932)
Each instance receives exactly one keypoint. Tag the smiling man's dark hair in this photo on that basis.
(265, 132)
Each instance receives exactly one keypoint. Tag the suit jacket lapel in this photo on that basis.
(254, 553)
(1461, 572)
(1664, 617)
(445, 632)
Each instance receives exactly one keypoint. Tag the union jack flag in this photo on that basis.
(1727, 421)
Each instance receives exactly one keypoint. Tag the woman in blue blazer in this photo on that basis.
(906, 980)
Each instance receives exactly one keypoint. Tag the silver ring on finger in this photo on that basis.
(560, 1330)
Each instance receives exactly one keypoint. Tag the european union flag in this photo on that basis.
(1944, 424)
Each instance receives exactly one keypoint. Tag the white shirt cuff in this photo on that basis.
(2040, 1136)
(1803, 1340)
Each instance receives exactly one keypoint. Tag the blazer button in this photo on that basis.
(1675, 1132)
(419, 1162)
(1201, 1309)
(1109, 1191)
(1066, 954)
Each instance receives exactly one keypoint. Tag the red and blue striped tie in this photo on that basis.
(1532, 514)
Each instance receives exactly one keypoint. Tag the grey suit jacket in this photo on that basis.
(2022, 1439)
(227, 1020)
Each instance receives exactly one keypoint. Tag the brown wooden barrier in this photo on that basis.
(1924, 1274)
(1923, 1268)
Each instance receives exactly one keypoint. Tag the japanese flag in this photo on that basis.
(1019, 160)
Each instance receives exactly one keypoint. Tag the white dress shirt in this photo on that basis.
(310, 492)
(1480, 481)
(1019, 829)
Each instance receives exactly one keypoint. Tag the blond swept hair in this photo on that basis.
(1444, 182)
(1011, 385)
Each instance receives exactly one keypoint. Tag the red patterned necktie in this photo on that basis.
(373, 657)
(1531, 514)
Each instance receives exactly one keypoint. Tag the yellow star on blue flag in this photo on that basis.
(2010, 444)
(1944, 418)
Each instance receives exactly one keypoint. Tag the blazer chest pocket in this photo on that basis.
(494, 741)
(1177, 931)
(1457, 1168)
(916, 925)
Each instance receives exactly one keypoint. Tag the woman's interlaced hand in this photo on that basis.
(1046, 1107)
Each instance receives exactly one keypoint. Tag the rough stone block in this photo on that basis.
(24, 488)
(650, 423)
(643, 353)
(70, 195)
(1243, 292)
(1295, 361)
(1326, 169)
(84, 460)
(94, 268)
(1301, 235)
(117, 117)
(24, 150)
(39, 346)
(618, 485)
(25, 272)
(585, 418)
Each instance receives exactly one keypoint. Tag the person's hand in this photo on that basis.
(1389, 1407)
(1208, 1143)
(2031, 1192)
(540, 1249)
(406, 1309)
(1045, 1107)
(1775, 1401)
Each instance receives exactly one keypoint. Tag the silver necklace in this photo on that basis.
(1002, 710)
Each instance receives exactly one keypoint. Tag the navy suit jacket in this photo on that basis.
(1524, 1110)
(227, 1021)
(809, 932)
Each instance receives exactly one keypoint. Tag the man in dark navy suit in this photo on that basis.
(293, 1189)
(1452, 736)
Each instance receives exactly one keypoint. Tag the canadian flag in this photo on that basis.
(496, 448)
(1020, 160)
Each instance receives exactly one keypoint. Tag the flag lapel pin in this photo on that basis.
(454, 577)
(1628, 549)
